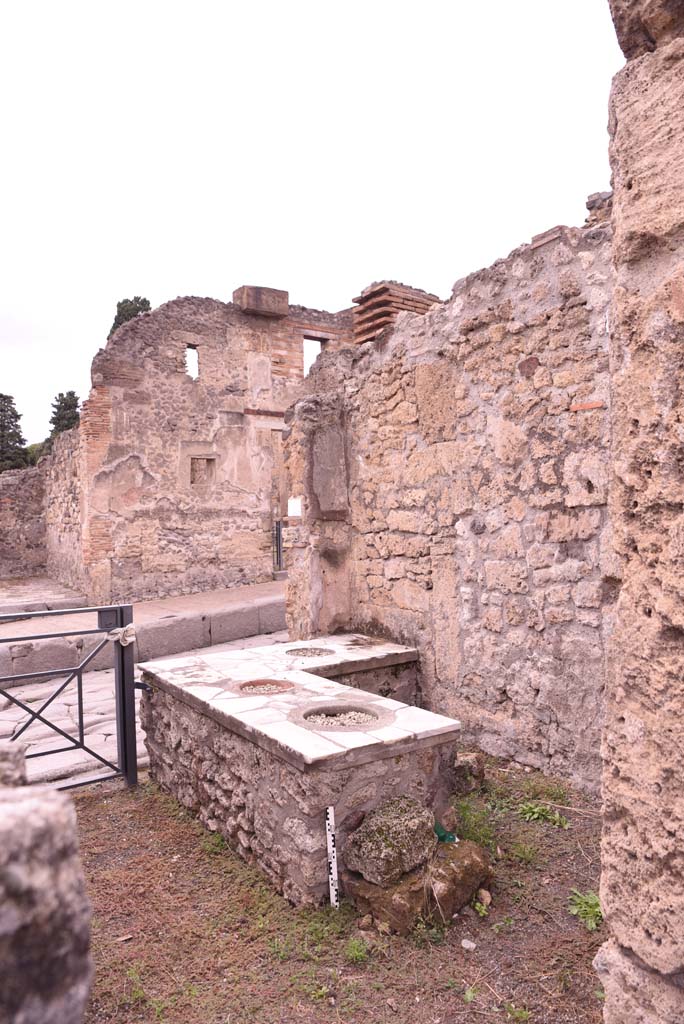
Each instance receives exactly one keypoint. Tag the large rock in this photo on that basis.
(397, 906)
(44, 910)
(12, 763)
(635, 995)
(393, 839)
(454, 875)
(434, 890)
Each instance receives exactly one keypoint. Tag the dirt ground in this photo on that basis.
(185, 931)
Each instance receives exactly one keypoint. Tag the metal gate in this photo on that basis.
(116, 623)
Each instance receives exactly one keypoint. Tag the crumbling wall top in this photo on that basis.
(643, 25)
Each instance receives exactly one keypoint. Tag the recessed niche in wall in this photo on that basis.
(202, 473)
(192, 361)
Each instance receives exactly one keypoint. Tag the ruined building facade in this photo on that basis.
(172, 482)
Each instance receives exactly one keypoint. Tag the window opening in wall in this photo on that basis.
(312, 349)
(192, 362)
(202, 473)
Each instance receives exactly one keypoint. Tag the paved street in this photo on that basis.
(99, 719)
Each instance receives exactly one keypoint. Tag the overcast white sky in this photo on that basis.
(175, 148)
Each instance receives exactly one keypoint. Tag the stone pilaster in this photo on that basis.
(642, 887)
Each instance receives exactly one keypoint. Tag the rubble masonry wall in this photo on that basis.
(22, 524)
(455, 482)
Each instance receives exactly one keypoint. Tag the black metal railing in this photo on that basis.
(112, 620)
(278, 564)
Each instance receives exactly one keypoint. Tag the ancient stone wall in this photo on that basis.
(22, 523)
(455, 480)
(168, 485)
(62, 510)
(642, 891)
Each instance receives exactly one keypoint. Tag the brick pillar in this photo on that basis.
(642, 887)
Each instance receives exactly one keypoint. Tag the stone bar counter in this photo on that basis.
(258, 747)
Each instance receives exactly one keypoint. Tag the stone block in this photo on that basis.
(172, 635)
(268, 302)
(397, 906)
(394, 838)
(272, 616)
(329, 471)
(454, 875)
(233, 623)
(468, 773)
(12, 763)
(44, 911)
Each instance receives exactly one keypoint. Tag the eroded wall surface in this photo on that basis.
(63, 510)
(22, 523)
(168, 485)
(642, 886)
(455, 481)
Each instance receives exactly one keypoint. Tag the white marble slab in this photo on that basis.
(211, 683)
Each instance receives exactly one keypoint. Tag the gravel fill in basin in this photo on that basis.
(341, 719)
(309, 652)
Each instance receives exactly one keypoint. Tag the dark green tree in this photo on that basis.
(35, 451)
(12, 443)
(64, 413)
(127, 309)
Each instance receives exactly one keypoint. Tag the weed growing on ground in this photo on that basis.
(480, 909)
(139, 995)
(539, 788)
(505, 922)
(214, 843)
(426, 933)
(532, 811)
(587, 908)
(470, 994)
(526, 853)
(516, 1013)
(475, 824)
(499, 797)
(356, 951)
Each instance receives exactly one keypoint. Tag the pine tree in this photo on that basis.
(12, 443)
(64, 413)
(127, 309)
